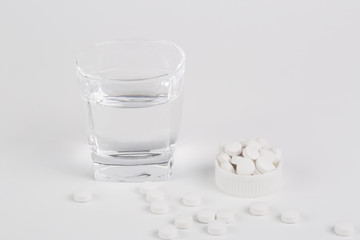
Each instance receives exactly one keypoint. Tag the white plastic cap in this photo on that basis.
(247, 186)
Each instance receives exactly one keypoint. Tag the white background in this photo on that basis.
(284, 70)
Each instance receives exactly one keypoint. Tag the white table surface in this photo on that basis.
(284, 70)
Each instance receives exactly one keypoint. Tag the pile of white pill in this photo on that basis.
(216, 221)
(252, 157)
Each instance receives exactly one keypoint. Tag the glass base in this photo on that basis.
(133, 167)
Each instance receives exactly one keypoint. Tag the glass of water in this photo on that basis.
(133, 90)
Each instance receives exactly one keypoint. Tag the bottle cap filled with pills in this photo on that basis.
(249, 168)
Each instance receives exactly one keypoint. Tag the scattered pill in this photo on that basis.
(82, 195)
(227, 167)
(264, 164)
(233, 148)
(259, 208)
(223, 157)
(167, 232)
(251, 152)
(159, 207)
(290, 216)
(184, 221)
(154, 194)
(146, 187)
(263, 142)
(254, 144)
(192, 199)
(225, 215)
(205, 215)
(245, 166)
(216, 227)
(344, 229)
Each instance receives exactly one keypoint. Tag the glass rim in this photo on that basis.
(93, 46)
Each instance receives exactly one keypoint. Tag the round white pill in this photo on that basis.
(235, 159)
(243, 143)
(216, 227)
(227, 167)
(267, 153)
(184, 221)
(344, 228)
(167, 232)
(192, 199)
(82, 195)
(205, 215)
(159, 207)
(264, 164)
(245, 166)
(254, 144)
(263, 142)
(223, 157)
(290, 216)
(233, 148)
(278, 154)
(251, 152)
(154, 194)
(225, 215)
(259, 208)
(146, 187)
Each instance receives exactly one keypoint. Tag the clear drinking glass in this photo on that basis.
(133, 91)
